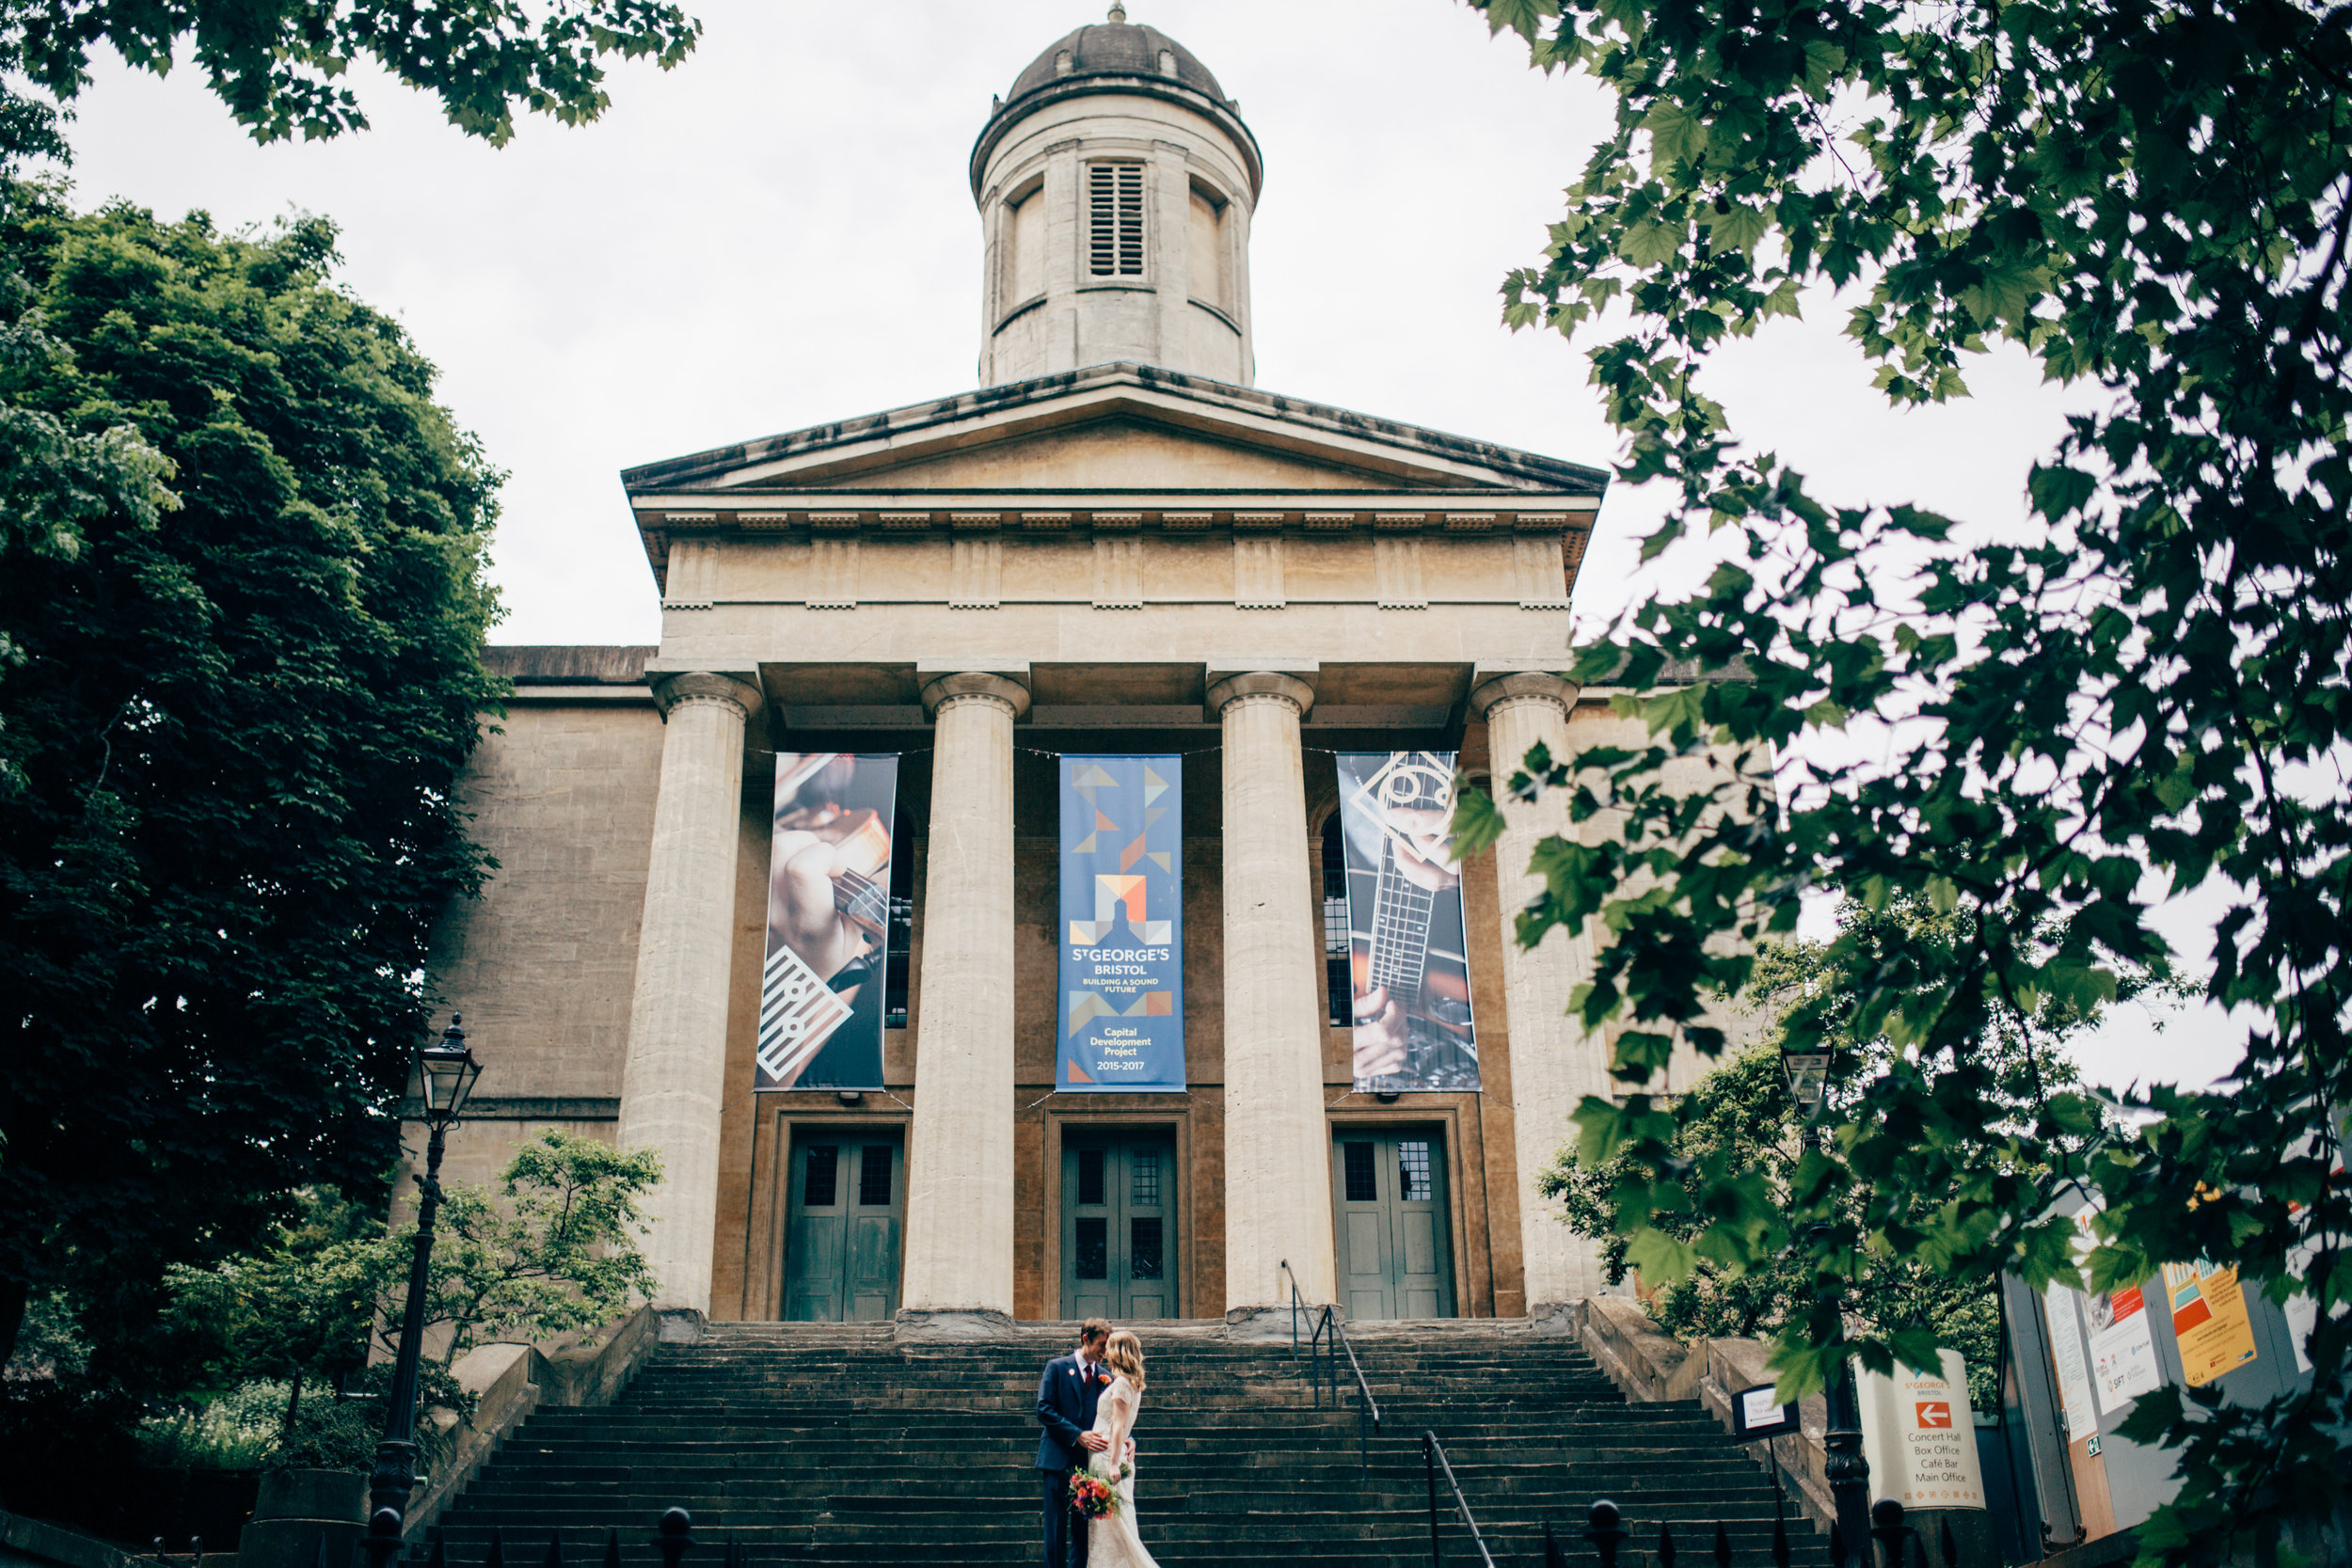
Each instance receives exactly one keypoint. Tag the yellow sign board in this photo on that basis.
(2209, 1319)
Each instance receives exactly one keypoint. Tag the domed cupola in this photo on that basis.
(1116, 185)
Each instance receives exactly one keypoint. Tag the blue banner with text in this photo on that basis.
(1122, 933)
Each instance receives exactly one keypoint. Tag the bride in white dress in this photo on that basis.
(1112, 1540)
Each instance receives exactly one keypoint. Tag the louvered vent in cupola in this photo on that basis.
(1115, 220)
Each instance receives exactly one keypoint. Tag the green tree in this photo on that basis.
(2146, 690)
(280, 65)
(553, 1252)
(297, 1310)
(1740, 1118)
(239, 674)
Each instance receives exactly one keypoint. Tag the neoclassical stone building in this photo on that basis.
(1116, 544)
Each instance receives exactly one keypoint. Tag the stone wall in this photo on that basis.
(544, 962)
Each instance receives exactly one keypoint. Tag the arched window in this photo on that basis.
(1208, 249)
(1025, 247)
(1338, 981)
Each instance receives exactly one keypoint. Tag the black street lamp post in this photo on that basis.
(1844, 1467)
(446, 1071)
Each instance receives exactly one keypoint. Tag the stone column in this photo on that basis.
(959, 1242)
(1278, 1145)
(1554, 1062)
(672, 1085)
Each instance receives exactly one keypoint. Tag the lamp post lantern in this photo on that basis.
(446, 1071)
(1844, 1467)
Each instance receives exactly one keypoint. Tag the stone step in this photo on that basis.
(834, 1445)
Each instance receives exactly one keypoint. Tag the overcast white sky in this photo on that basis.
(780, 232)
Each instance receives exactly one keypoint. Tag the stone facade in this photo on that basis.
(1117, 556)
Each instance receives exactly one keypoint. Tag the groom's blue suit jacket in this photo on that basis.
(1066, 1398)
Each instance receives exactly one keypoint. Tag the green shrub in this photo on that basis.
(226, 1434)
(329, 1435)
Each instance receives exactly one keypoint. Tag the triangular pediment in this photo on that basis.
(1125, 452)
(1112, 429)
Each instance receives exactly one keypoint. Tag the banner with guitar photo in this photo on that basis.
(1122, 948)
(1405, 953)
(822, 993)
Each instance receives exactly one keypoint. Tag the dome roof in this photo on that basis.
(1117, 56)
(1118, 48)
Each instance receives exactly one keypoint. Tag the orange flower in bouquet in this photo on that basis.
(1091, 1495)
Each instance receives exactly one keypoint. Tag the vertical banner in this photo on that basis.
(1407, 955)
(820, 995)
(1122, 947)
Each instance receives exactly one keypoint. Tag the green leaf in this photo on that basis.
(2177, 788)
(1523, 17)
(2059, 490)
(1675, 133)
(2004, 293)
(1650, 242)
(1823, 61)
(1661, 1259)
(1738, 230)
(1477, 824)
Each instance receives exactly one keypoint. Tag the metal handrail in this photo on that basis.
(1340, 1342)
(1434, 1460)
(1327, 1318)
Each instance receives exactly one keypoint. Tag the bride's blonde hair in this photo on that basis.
(1124, 1356)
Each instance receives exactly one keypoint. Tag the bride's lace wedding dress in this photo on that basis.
(1112, 1540)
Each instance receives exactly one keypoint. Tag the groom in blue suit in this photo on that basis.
(1066, 1397)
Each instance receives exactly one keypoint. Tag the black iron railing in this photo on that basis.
(1434, 1461)
(1330, 1338)
(673, 1535)
(1900, 1545)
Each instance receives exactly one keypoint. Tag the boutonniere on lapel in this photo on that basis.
(1104, 1379)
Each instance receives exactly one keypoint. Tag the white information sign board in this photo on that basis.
(2123, 1351)
(2071, 1361)
(1920, 1437)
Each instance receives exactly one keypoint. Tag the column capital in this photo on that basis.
(690, 685)
(1521, 686)
(1012, 690)
(1231, 688)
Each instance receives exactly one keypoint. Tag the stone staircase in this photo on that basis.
(825, 1443)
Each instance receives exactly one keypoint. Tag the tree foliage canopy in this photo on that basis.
(239, 674)
(281, 66)
(553, 1252)
(2143, 691)
(238, 654)
(1740, 1118)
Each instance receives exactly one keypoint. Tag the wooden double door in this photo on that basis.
(1118, 1227)
(1394, 1224)
(844, 1226)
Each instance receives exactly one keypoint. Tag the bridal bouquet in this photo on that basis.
(1091, 1495)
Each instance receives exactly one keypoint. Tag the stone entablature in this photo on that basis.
(891, 517)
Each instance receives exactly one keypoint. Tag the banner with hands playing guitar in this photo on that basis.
(1408, 960)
